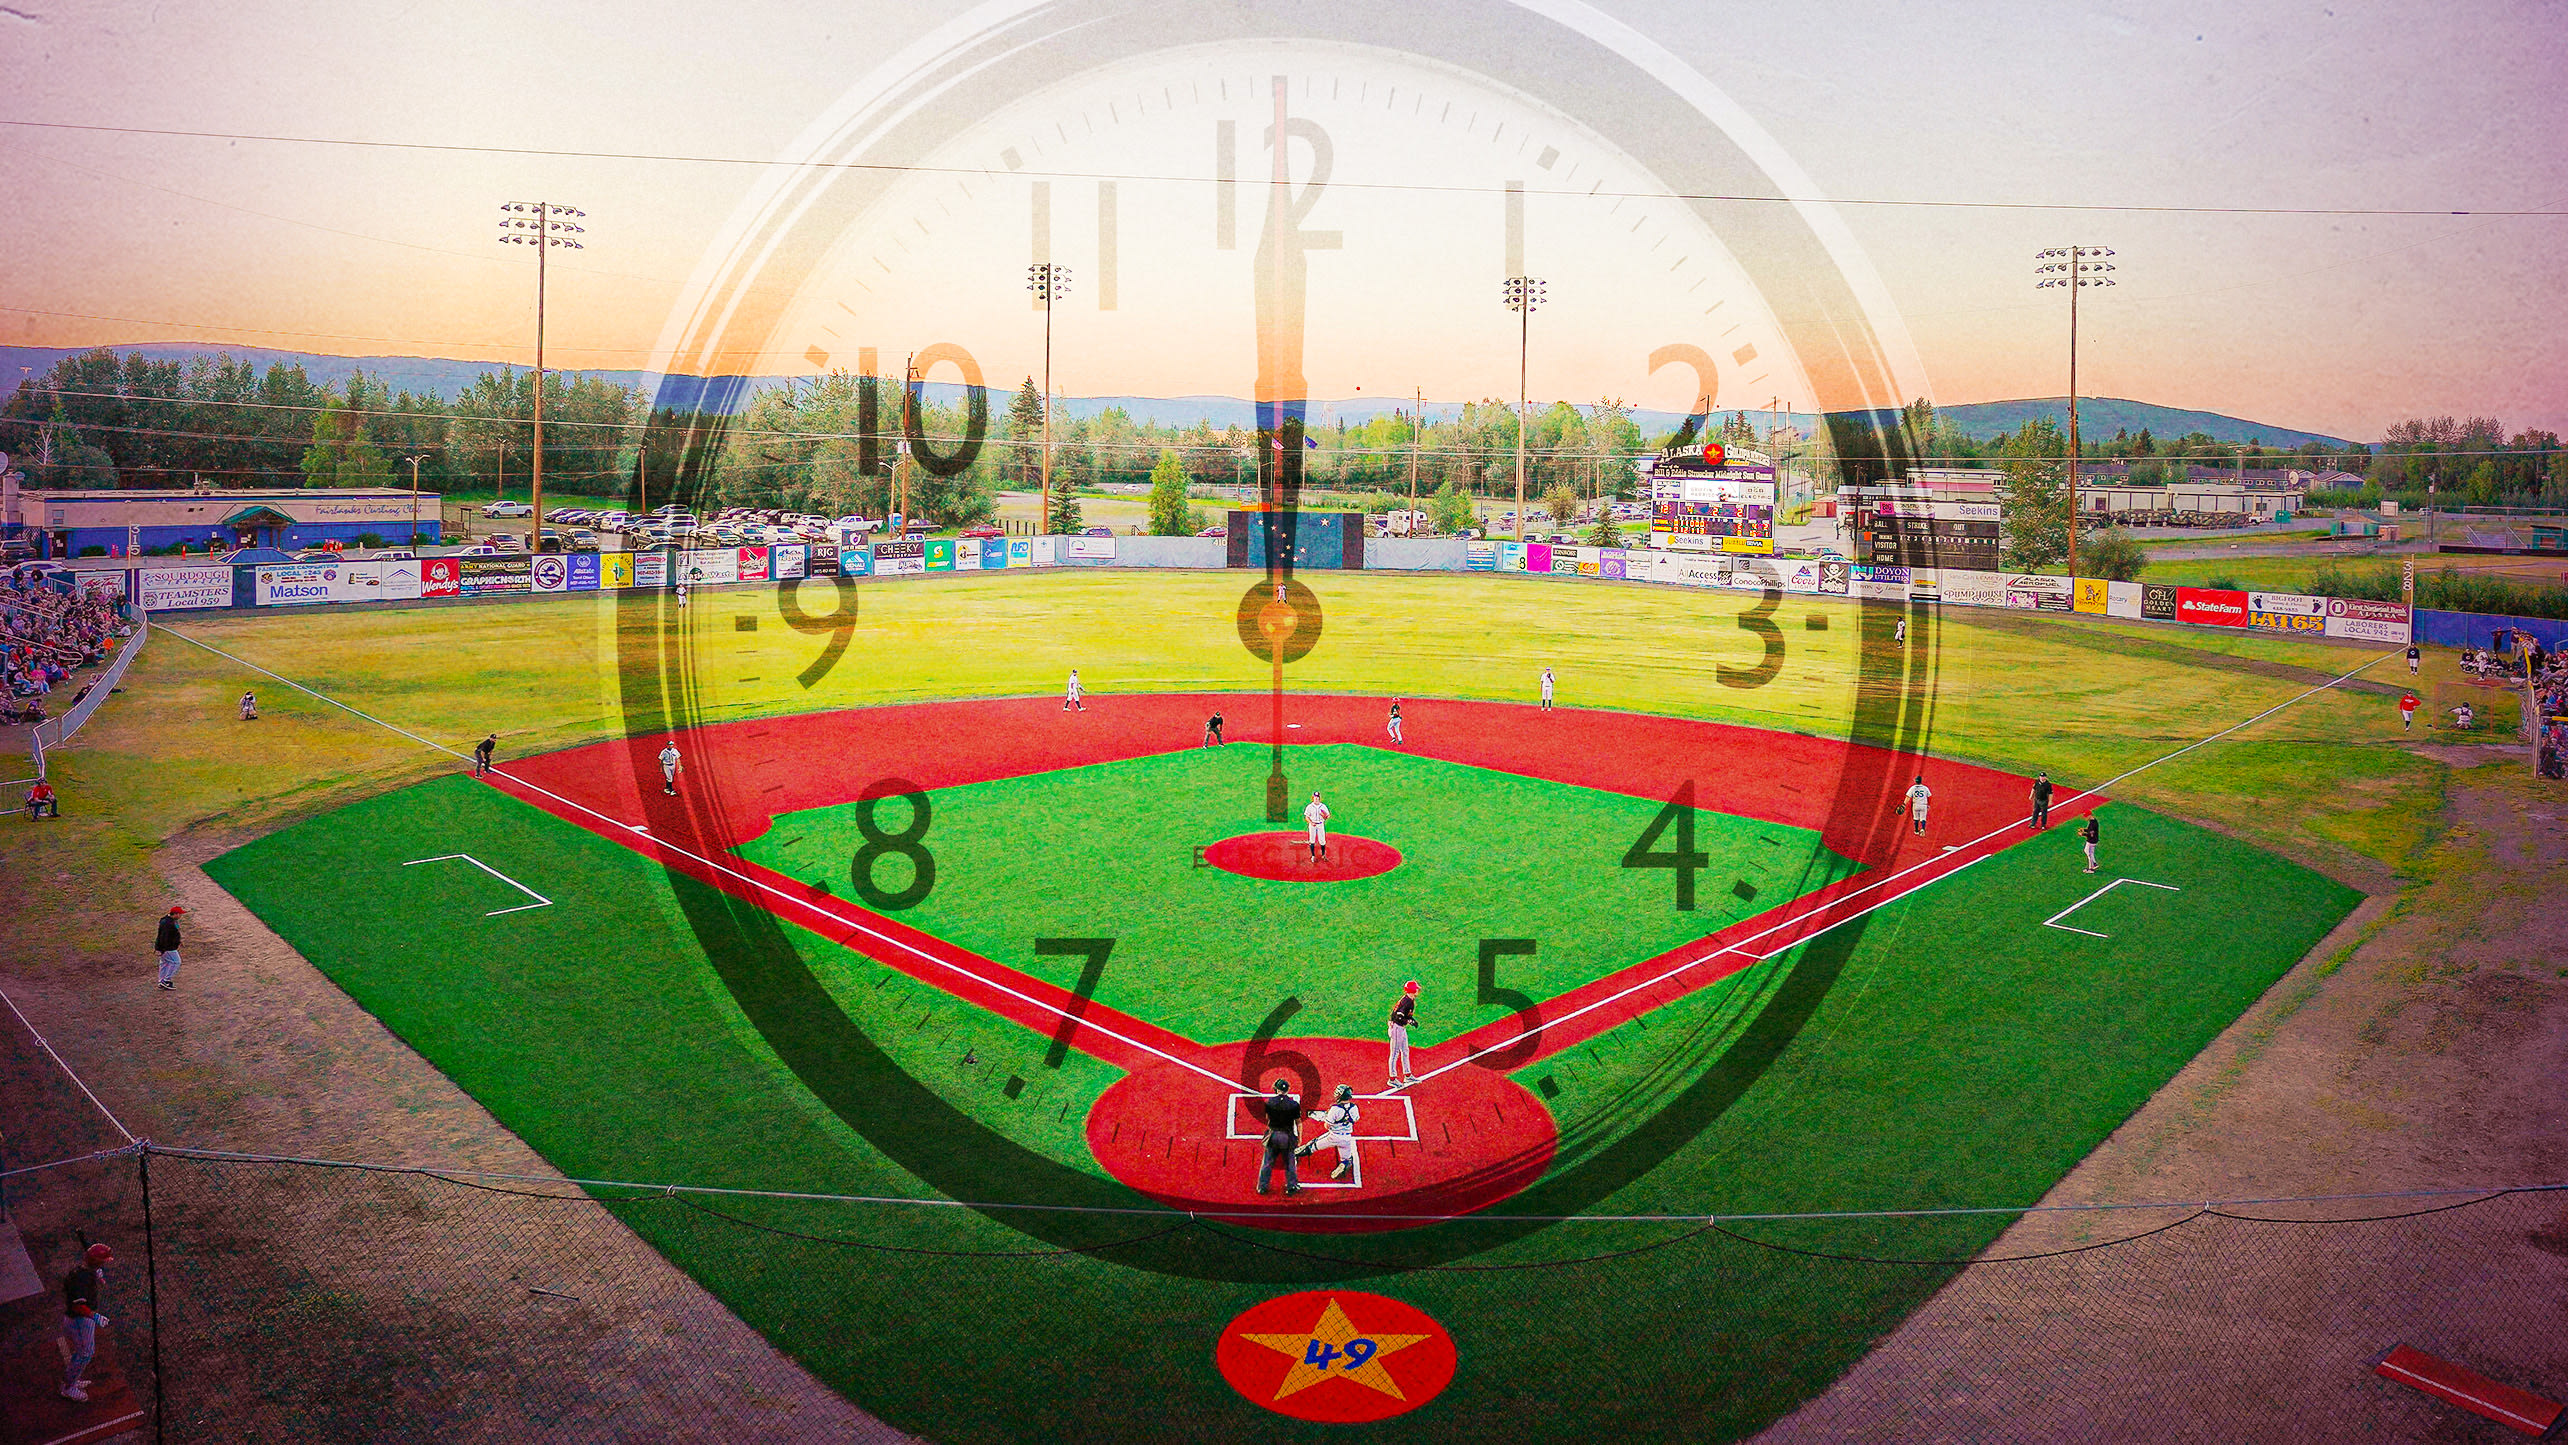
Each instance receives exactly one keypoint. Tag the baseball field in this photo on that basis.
(912, 933)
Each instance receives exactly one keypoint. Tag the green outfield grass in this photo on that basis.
(1954, 1050)
(1106, 852)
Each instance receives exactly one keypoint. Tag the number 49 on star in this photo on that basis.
(1358, 1351)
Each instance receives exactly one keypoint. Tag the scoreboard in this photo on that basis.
(1901, 532)
(1729, 508)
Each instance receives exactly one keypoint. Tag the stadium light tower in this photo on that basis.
(1524, 293)
(544, 226)
(2076, 268)
(1049, 282)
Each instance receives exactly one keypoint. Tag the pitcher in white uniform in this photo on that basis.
(1317, 815)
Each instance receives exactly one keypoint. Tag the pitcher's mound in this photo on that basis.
(1286, 857)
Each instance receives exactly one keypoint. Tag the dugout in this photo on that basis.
(1323, 541)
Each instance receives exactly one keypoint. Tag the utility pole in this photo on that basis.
(1417, 425)
(1523, 294)
(2076, 263)
(548, 233)
(1050, 282)
(414, 498)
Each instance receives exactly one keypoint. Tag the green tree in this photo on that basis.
(2035, 503)
(1025, 429)
(1605, 533)
(1065, 519)
(1450, 509)
(1562, 502)
(1168, 514)
(2110, 553)
(340, 454)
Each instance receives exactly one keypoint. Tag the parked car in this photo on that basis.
(507, 509)
(584, 540)
(856, 524)
(1098, 532)
(507, 541)
(1214, 532)
(984, 530)
(488, 551)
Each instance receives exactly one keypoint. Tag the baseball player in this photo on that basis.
(682, 591)
(1071, 696)
(1395, 722)
(669, 768)
(1547, 690)
(2414, 657)
(1403, 1014)
(1283, 1134)
(1917, 795)
(2042, 799)
(1316, 814)
(249, 707)
(1899, 633)
(1213, 731)
(1338, 1131)
(2408, 704)
(2090, 835)
(481, 754)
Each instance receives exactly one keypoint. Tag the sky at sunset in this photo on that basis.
(2172, 133)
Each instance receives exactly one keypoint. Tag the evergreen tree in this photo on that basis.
(1025, 427)
(1168, 516)
(1065, 519)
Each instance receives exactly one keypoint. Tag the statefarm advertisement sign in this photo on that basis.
(2369, 621)
(2211, 607)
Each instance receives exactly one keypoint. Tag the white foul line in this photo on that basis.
(540, 900)
(2054, 920)
(66, 1068)
(760, 884)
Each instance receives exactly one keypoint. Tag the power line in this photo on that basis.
(889, 168)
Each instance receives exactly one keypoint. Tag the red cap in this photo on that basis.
(1410, 987)
(99, 1254)
(175, 910)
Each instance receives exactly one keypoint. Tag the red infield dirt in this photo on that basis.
(1287, 858)
(1479, 1136)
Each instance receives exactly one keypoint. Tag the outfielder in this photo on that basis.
(1917, 795)
(1395, 722)
(1338, 1131)
(1317, 815)
(1071, 697)
(669, 768)
(1547, 690)
(1403, 1014)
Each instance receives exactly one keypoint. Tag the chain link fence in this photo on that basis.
(306, 1300)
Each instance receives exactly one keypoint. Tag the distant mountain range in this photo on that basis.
(2098, 417)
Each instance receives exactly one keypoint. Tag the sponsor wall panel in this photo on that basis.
(855, 561)
(788, 562)
(900, 558)
(2211, 607)
(1538, 556)
(614, 570)
(708, 566)
(441, 577)
(1479, 556)
(1973, 589)
(2286, 612)
(1878, 584)
(2031, 590)
(1512, 558)
(585, 571)
(2090, 596)
(651, 569)
(1020, 551)
(2122, 599)
(177, 589)
(497, 576)
(2158, 601)
(550, 572)
(751, 565)
(1091, 551)
(2369, 621)
(940, 553)
(297, 584)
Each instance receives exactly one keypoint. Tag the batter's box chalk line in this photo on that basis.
(1355, 1176)
(2054, 920)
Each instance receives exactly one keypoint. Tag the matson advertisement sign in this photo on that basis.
(2369, 621)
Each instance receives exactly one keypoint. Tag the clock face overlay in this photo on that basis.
(1282, 207)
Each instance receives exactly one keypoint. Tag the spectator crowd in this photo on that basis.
(46, 633)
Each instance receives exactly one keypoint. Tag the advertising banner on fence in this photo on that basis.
(2286, 612)
(110, 585)
(821, 560)
(1538, 556)
(710, 565)
(994, 553)
(752, 565)
(1573, 561)
(1091, 551)
(855, 562)
(940, 551)
(651, 569)
(1612, 564)
(1480, 556)
(2211, 607)
(1973, 589)
(1923, 585)
(1758, 578)
(1836, 579)
(900, 559)
(2122, 599)
(1020, 551)
(399, 580)
(2158, 601)
(550, 572)
(1800, 576)
(2090, 595)
(585, 570)
(614, 570)
(1878, 584)
(786, 563)
(2048, 594)
(2370, 621)
(967, 555)
(496, 576)
(173, 589)
(297, 583)
(1688, 571)
(441, 577)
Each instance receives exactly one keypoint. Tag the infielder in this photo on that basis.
(249, 707)
(1213, 731)
(1403, 1014)
(1283, 1133)
(1317, 815)
(1395, 722)
(1547, 690)
(2090, 835)
(2408, 705)
(669, 768)
(1071, 696)
(1917, 795)
(1338, 1131)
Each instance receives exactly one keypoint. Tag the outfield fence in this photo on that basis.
(264, 1298)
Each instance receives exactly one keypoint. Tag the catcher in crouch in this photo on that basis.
(1338, 1132)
